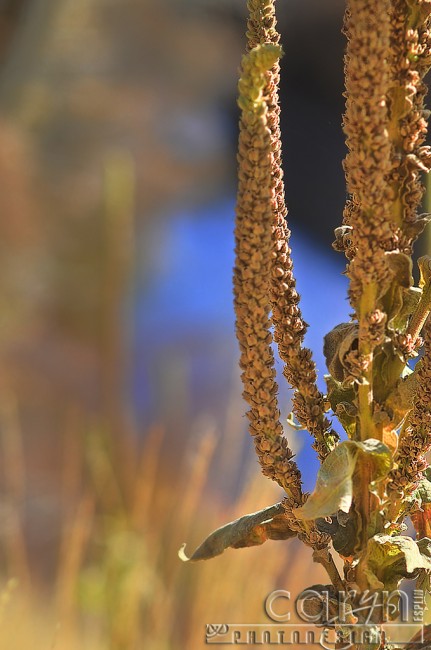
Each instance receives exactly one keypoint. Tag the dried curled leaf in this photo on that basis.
(336, 477)
(424, 579)
(341, 400)
(249, 530)
(415, 228)
(343, 530)
(421, 516)
(337, 344)
(399, 297)
(321, 605)
(424, 264)
(390, 559)
(400, 400)
(408, 302)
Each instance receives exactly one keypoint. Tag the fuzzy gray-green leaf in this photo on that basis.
(335, 480)
(249, 530)
(390, 559)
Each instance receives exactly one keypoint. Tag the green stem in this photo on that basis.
(365, 390)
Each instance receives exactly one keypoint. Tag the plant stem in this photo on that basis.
(324, 557)
(366, 121)
(365, 389)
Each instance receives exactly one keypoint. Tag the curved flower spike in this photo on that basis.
(289, 326)
(253, 237)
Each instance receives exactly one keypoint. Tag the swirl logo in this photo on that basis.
(213, 630)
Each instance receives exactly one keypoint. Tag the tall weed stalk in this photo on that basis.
(377, 478)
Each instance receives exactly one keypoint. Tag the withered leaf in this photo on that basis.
(249, 530)
(424, 579)
(424, 264)
(336, 477)
(423, 490)
(401, 266)
(400, 398)
(337, 343)
(390, 559)
(398, 295)
(421, 518)
(408, 300)
(334, 485)
(417, 226)
(390, 439)
(320, 605)
(343, 529)
(341, 400)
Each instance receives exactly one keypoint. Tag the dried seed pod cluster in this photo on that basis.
(253, 269)
(289, 326)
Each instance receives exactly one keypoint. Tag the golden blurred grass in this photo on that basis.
(117, 581)
(105, 575)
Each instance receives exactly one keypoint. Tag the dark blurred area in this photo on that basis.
(122, 428)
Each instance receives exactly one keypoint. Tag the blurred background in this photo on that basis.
(122, 429)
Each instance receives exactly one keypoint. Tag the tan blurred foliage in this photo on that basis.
(83, 80)
(110, 117)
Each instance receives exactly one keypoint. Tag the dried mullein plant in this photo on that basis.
(370, 483)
